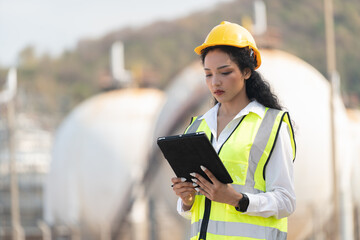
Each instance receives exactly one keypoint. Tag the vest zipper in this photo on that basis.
(206, 217)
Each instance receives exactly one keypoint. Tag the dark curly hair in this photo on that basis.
(256, 87)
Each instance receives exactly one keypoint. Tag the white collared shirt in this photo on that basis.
(279, 199)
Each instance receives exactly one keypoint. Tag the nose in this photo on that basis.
(215, 81)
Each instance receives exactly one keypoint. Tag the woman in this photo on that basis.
(254, 140)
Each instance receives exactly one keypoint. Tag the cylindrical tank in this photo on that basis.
(354, 144)
(305, 93)
(100, 150)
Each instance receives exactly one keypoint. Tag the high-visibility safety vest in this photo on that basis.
(245, 155)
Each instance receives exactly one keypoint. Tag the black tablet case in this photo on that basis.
(186, 152)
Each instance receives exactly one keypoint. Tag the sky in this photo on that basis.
(55, 25)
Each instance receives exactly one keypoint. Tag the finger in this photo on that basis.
(182, 188)
(200, 184)
(183, 195)
(178, 180)
(210, 175)
(187, 194)
(182, 184)
(200, 179)
(203, 192)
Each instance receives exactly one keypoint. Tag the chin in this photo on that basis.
(218, 100)
(221, 100)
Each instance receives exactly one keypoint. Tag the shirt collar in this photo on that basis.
(253, 106)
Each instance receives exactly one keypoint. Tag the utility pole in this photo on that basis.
(334, 85)
(7, 96)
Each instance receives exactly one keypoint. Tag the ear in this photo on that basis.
(247, 73)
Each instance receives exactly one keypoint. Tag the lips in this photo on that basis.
(219, 92)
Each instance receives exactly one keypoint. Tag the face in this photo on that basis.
(223, 77)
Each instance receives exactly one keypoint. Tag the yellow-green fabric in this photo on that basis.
(247, 172)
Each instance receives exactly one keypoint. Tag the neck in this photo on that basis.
(232, 108)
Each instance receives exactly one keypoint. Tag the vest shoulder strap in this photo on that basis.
(265, 141)
(194, 125)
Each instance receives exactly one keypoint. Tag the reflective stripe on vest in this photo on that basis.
(216, 228)
(194, 125)
(245, 154)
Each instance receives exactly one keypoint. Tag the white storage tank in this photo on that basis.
(306, 94)
(100, 151)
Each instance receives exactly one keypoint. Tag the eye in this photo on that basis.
(208, 75)
(226, 73)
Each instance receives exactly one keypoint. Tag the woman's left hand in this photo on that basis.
(216, 191)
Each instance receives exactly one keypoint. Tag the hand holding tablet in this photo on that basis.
(187, 152)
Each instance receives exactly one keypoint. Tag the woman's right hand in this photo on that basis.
(185, 190)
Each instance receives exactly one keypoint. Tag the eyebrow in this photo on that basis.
(224, 66)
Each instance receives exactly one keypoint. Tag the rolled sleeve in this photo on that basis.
(185, 214)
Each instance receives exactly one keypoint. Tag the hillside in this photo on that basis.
(157, 52)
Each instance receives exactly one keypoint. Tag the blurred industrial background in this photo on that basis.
(78, 154)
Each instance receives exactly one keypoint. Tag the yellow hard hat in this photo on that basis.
(230, 34)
